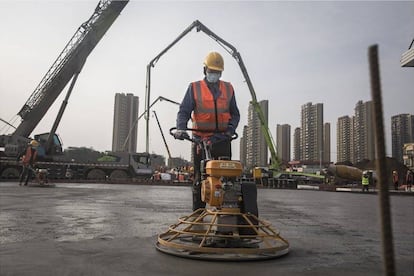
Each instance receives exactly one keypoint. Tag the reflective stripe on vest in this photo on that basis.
(204, 116)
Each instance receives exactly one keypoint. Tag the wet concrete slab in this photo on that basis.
(104, 229)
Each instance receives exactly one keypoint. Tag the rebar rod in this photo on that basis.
(384, 201)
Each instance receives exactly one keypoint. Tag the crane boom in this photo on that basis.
(68, 63)
(236, 55)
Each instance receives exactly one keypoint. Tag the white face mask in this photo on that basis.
(213, 77)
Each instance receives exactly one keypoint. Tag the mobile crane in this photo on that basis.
(236, 55)
(66, 68)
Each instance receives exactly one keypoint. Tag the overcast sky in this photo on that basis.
(295, 52)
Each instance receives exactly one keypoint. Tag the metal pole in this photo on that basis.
(386, 227)
(147, 107)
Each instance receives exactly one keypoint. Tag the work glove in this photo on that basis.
(181, 134)
(229, 132)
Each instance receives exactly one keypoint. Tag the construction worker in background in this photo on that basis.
(395, 179)
(211, 104)
(409, 180)
(28, 161)
(365, 182)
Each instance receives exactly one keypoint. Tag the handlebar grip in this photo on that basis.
(233, 137)
(171, 130)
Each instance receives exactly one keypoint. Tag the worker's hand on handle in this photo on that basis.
(229, 133)
(181, 135)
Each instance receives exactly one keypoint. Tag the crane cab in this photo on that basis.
(54, 149)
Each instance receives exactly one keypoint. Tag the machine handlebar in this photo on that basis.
(199, 140)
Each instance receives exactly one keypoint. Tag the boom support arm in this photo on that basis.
(236, 55)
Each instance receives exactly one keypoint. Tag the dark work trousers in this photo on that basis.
(26, 175)
(220, 149)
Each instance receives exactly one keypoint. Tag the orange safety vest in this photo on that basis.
(30, 156)
(210, 114)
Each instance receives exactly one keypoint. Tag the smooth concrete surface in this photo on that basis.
(104, 229)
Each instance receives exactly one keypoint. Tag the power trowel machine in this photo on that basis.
(229, 228)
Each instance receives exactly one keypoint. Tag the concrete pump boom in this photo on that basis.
(67, 66)
(134, 125)
(162, 134)
(236, 55)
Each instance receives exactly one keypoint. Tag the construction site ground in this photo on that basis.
(111, 229)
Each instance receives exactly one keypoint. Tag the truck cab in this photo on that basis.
(141, 163)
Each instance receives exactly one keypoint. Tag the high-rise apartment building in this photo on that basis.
(256, 147)
(296, 145)
(124, 137)
(312, 132)
(344, 139)
(364, 147)
(326, 156)
(243, 147)
(355, 135)
(352, 139)
(283, 142)
(402, 131)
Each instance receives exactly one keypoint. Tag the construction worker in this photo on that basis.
(395, 179)
(409, 180)
(211, 104)
(28, 161)
(365, 182)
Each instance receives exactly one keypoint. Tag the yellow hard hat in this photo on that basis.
(34, 143)
(214, 61)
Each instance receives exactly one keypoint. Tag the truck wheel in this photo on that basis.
(118, 174)
(10, 173)
(96, 174)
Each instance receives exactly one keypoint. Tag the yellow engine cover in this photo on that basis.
(211, 192)
(219, 168)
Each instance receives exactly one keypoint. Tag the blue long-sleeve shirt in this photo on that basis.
(188, 104)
